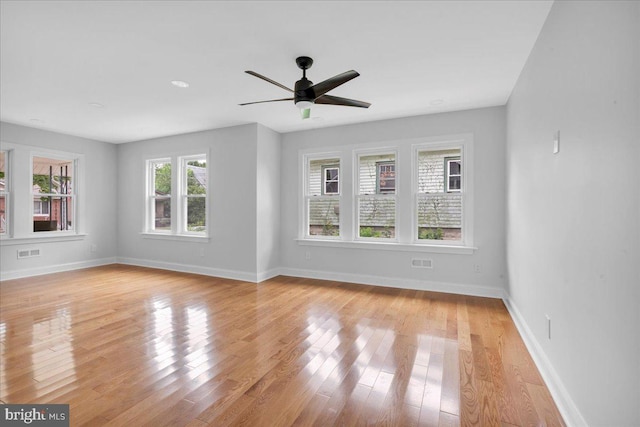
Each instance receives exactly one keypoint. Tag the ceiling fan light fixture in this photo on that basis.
(305, 113)
(304, 105)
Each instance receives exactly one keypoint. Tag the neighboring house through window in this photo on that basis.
(322, 196)
(376, 197)
(435, 210)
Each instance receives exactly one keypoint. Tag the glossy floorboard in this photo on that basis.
(129, 346)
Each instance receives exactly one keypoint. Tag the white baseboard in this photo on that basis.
(394, 282)
(561, 396)
(58, 268)
(269, 274)
(188, 268)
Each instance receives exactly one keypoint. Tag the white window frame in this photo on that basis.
(465, 144)
(406, 189)
(72, 196)
(152, 197)
(178, 197)
(6, 193)
(307, 197)
(184, 196)
(358, 154)
(20, 198)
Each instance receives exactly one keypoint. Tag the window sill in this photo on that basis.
(42, 238)
(390, 246)
(175, 237)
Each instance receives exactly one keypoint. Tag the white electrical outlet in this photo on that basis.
(307, 255)
(556, 142)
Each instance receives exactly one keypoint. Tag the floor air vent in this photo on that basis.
(28, 253)
(421, 263)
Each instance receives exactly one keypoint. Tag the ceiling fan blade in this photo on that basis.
(270, 100)
(336, 100)
(260, 76)
(333, 82)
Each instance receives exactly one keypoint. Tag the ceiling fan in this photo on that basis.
(305, 93)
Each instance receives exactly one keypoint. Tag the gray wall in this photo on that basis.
(452, 272)
(231, 249)
(101, 174)
(573, 218)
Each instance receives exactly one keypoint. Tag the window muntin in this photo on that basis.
(439, 203)
(177, 195)
(322, 197)
(53, 192)
(4, 192)
(376, 196)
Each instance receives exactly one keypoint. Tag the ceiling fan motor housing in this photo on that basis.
(303, 91)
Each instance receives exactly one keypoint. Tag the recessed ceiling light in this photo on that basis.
(437, 102)
(35, 120)
(179, 83)
(96, 104)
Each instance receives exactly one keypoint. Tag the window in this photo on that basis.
(40, 208)
(331, 179)
(453, 170)
(160, 195)
(376, 195)
(322, 197)
(412, 195)
(386, 177)
(177, 194)
(4, 192)
(194, 189)
(53, 193)
(439, 196)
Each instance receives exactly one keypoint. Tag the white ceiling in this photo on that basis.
(58, 57)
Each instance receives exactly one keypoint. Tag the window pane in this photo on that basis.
(377, 217)
(197, 177)
(431, 169)
(53, 214)
(377, 174)
(162, 214)
(316, 180)
(196, 214)
(331, 188)
(454, 183)
(3, 160)
(324, 216)
(440, 216)
(454, 167)
(3, 217)
(387, 178)
(162, 178)
(52, 176)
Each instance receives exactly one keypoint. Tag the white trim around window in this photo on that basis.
(406, 195)
(20, 195)
(177, 197)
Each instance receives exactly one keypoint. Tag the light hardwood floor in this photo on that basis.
(132, 346)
